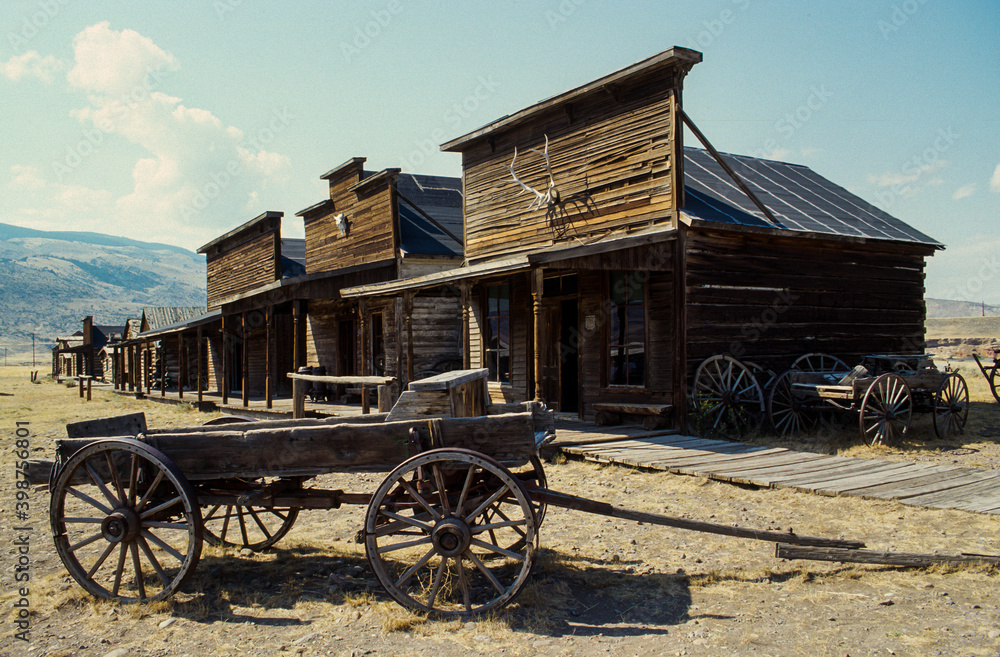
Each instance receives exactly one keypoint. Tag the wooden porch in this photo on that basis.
(916, 484)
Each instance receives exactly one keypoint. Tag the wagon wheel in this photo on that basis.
(727, 398)
(995, 381)
(791, 412)
(124, 516)
(253, 527)
(886, 410)
(951, 406)
(451, 531)
(820, 363)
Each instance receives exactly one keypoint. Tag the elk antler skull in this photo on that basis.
(551, 195)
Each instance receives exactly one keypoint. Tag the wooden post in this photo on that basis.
(268, 358)
(466, 334)
(181, 365)
(162, 353)
(246, 360)
(90, 382)
(148, 377)
(536, 298)
(130, 364)
(680, 330)
(365, 409)
(225, 360)
(409, 336)
(80, 379)
(400, 323)
(298, 335)
(363, 347)
(201, 391)
(298, 398)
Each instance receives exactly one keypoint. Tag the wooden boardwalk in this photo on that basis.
(917, 484)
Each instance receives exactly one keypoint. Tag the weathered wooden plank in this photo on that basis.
(934, 479)
(833, 472)
(783, 551)
(449, 380)
(131, 424)
(951, 494)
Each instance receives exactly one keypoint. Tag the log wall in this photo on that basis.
(771, 299)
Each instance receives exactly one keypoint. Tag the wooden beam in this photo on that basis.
(245, 335)
(536, 298)
(400, 324)
(409, 337)
(870, 556)
(181, 365)
(224, 385)
(201, 392)
(269, 356)
(679, 382)
(466, 335)
(298, 335)
(732, 174)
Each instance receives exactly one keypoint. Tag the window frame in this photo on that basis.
(607, 338)
(487, 334)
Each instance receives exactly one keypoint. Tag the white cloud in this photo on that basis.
(27, 177)
(995, 180)
(197, 178)
(964, 191)
(31, 64)
(115, 63)
(905, 181)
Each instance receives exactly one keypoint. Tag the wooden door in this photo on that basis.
(549, 352)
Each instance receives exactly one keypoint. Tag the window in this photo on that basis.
(498, 332)
(627, 329)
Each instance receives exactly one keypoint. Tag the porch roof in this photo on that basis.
(178, 326)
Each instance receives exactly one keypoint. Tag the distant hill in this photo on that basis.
(50, 280)
(949, 308)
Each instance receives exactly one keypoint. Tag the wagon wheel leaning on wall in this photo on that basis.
(728, 401)
(886, 410)
(790, 411)
(820, 363)
(125, 521)
(438, 528)
(951, 405)
(246, 525)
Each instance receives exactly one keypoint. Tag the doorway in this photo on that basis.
(559, 353)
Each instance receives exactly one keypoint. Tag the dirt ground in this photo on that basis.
(602, 586)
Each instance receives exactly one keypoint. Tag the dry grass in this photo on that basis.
(600, 585)
(962, 327)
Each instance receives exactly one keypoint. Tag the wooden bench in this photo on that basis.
(655, 415)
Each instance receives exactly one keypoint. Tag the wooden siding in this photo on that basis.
(437, 333)
(610, 156)
(370, 213)
(770, 299)
(322, 333)
(247, 266)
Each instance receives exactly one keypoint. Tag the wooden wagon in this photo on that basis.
(884, 391)
(991, 372)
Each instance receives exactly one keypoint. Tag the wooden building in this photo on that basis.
(85, 352)
(604, 260)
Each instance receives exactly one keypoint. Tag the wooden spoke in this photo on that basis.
(789, 411)
(951, 406)
(885, 410)
(728, 401)
(154, 496)
(820, 363)
(269, 524)
(480, 511)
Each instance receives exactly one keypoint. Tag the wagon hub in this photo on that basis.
(451, 537)
(121, 525)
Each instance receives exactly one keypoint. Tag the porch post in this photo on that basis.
(409, 337)
(181, 365)
(162, 352)
(246, 360)
(201, 391)
(536, 298)
(149, 369)
(466, 337)
(362, 308)
(268, 359)
(224, 385)
(298, 335)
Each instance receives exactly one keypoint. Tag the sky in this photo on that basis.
(178, 121)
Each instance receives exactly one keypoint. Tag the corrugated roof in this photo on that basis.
(160, 316)
(188, 322)
(799, 198)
